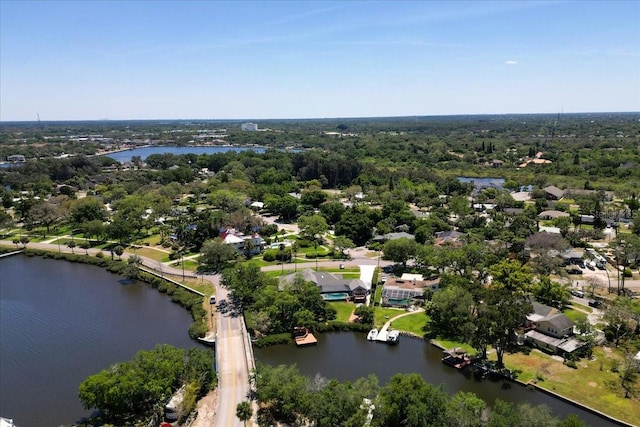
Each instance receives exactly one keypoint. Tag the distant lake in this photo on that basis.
(125, 156)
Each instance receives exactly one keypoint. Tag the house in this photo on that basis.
(404, 291)
(242, 242)
(552, 214)
(450, 237)
(16, 158)
(394, 236)
(551, 330)
(553, 193)
(333, 287)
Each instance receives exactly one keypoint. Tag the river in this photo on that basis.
(61, 322)
(347, 356)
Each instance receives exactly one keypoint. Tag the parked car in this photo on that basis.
(577, 293)
(595, 303)
(580, 264)
(573, 269)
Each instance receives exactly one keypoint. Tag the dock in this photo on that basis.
(303, 337)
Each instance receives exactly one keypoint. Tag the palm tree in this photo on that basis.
(244, 412)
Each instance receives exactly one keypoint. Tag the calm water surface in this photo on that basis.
(348, 356)
(125, 156)
(61, 322)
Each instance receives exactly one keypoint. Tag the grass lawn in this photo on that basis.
(574, 315)
(149, 253)
(383, 314)
(412, 323)
(344, 310)
(378, 295)
(593, 383)
(581, 307)
(448, 344)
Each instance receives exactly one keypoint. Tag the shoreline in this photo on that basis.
(552, 393)
(439, 346)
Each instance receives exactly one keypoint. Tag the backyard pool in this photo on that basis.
(335, 296)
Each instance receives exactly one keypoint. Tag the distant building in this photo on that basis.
(553, 193)
(249, 127)
(16, 158)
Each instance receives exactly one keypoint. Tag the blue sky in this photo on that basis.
(91, 60)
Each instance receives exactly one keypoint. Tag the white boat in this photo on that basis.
(392, 337)
(372, 335)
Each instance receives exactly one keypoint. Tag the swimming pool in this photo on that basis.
(335, 296)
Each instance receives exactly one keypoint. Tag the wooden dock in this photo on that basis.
(303, 337)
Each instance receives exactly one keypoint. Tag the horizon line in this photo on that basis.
(562, 113)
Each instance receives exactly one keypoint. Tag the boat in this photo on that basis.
(371, 336)
(392, 337)
(456, 357)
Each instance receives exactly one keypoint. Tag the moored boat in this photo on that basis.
(371, 336)
(392, 337)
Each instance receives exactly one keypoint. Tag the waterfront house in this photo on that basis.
(552, 331)
(406, 290)
(333, 287)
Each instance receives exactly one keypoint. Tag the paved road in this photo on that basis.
(235, 361)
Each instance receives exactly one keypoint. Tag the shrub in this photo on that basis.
(198, 329)
(304, 243)
(266, 341)
(270, 255)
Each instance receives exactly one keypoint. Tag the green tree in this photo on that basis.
(332, 212)
(312, 227)
(313, 198)
(365, 314)
(215, 256)
(408, 401)
(341, 243)
(355, 224)
(87, 209)
(465, 410)
(244, 412)
(551, 293)
(400, 250)
(451, 313)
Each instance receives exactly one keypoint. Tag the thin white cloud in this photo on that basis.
(511, 62)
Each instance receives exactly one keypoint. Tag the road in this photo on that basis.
(234, 361)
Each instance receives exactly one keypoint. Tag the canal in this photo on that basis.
(347, 356)
(61, 322)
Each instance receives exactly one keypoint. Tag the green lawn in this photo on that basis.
(151, 253)
(593, 384)
(344, 310)
(574, 315)
(448, 344)
(413, 323)
(383, 314)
